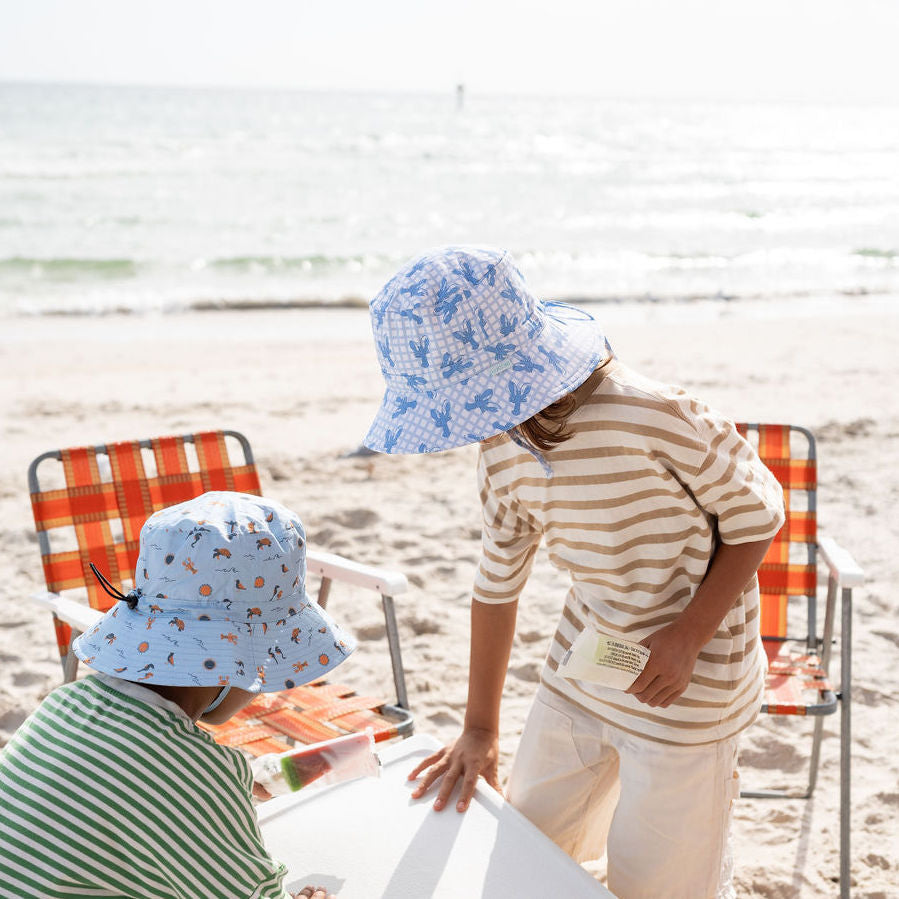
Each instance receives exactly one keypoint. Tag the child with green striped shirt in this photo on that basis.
(109, 788)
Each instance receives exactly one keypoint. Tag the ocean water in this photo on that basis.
(125, 198)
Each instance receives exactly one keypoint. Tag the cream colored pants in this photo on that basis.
(662, 812)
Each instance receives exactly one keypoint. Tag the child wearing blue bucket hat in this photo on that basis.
(659, 511)
(109, 788)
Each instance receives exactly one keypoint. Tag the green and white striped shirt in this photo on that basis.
(110, 790)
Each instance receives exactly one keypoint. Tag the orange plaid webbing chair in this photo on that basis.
(798, 681)
(89, 504)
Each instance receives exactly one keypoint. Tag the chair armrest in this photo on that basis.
(328, 565)
(76, 614)
(842, 566)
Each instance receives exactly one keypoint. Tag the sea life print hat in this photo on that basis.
(467, 352)
(219, 600)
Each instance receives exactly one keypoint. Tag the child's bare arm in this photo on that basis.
(675, 647)
(476, 750)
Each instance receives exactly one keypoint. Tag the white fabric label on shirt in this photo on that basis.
(601, 659)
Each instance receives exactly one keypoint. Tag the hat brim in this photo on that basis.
(568, 349)
(238, 650)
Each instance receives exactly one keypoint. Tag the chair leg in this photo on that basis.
(815, 756)
(396, 659)
(827, 636)
(845, 731)
(845, 740)
(70, 662)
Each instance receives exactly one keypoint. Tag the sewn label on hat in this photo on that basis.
(505, 365)
(605, 660)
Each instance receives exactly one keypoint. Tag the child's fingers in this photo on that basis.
(654, 698)
(426, 763)
(645, 686)
(446, 787)
(469, 784)
(669, 696)
(429, 778)
(644, 679)
(661, 694)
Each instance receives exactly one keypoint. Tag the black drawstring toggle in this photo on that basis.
(131, 597)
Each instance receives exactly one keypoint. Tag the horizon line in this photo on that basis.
(449, 91)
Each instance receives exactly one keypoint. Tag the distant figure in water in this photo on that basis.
(460, 96)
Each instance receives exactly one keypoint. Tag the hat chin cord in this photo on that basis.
(132, 599)
(217, 701)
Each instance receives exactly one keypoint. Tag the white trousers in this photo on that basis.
(661, 812)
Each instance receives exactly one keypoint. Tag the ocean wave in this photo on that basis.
(124, 307)
(175, 307)
(877, 253)
(75, 268)
(65, 269)
(310, 263)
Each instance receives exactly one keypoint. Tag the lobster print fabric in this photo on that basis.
(467, 351)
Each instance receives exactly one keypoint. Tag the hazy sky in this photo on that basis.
(843, 50)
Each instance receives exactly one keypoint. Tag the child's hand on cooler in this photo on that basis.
(474, 753)
(314, 893)
(669, 668)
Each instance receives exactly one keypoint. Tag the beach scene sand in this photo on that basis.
(829, 366)
(175, 260)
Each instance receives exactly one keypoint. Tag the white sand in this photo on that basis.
(303, 387)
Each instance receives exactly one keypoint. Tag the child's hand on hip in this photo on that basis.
(474, 752)
(669, 667)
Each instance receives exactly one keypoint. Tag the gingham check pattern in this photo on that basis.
(467, 352)
(89, 502)
(779, 576)
(796, 679)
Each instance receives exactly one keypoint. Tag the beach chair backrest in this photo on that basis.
(789, 568)
(93, 509)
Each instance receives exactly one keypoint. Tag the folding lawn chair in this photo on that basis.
(90, 508)
(798, 681)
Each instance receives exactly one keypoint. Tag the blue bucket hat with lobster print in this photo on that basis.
(468, 352)
(219, 600)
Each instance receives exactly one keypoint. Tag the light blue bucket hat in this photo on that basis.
(468, 352)
(219, 600)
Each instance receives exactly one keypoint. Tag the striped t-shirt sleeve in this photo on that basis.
(509, 541)
(729, 480)
(105, 795)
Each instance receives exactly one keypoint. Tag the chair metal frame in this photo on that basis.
(843, 575)
(79, 617)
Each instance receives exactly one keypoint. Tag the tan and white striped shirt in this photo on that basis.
(650, 481)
